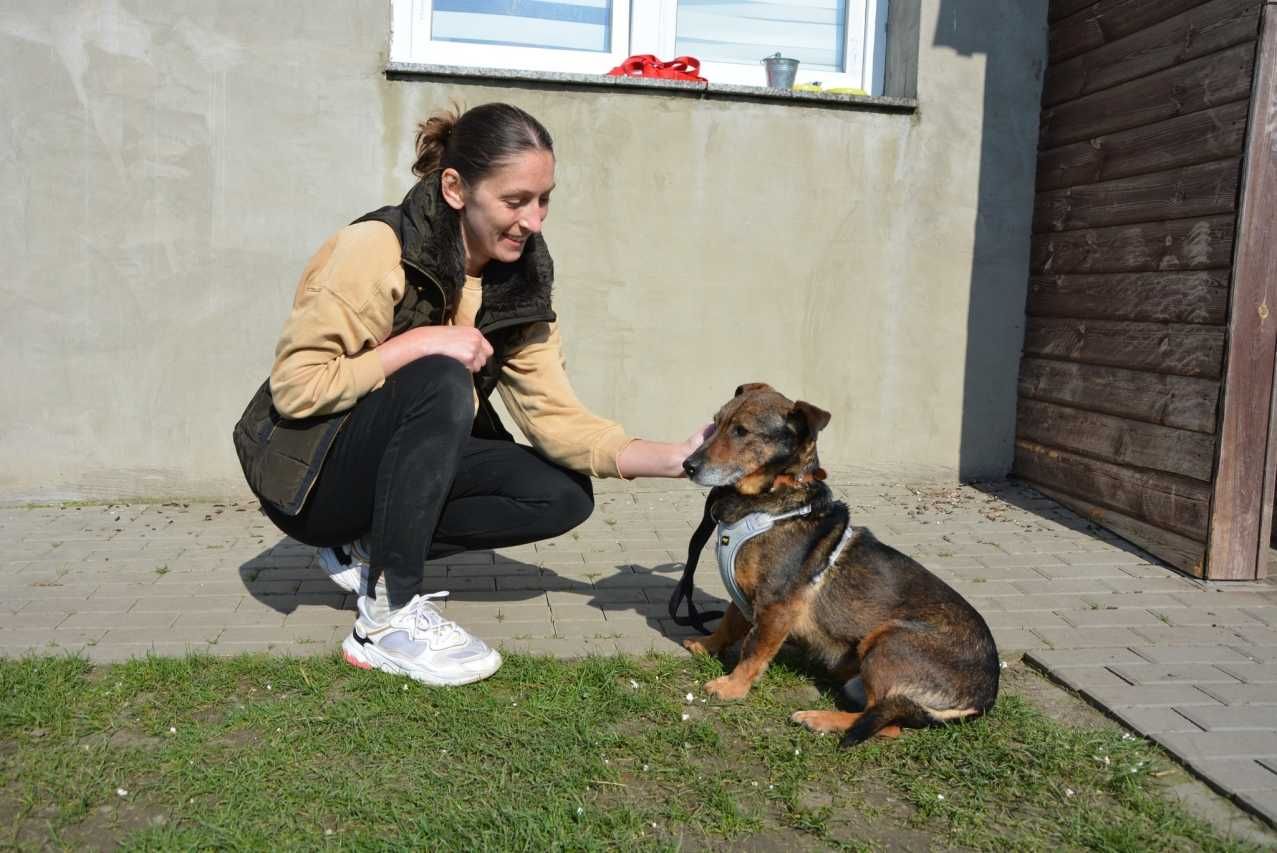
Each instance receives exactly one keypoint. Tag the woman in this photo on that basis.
(374, 438)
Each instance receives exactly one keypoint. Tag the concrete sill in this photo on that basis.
(640, 85)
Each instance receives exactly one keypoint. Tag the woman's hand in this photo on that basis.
(462, 343)
(658, 458)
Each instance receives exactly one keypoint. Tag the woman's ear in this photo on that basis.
(453, 188)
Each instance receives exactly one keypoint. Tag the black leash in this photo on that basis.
(694, 617)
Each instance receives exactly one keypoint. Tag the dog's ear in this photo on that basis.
(807, 418)
(751, 386)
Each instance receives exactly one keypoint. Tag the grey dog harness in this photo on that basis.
(731, 537)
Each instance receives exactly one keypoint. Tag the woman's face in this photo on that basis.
(504, 209)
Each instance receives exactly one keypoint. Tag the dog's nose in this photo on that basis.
(690, 467)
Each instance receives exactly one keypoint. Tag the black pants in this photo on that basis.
(406, 473)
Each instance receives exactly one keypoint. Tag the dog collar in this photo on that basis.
(730, 539)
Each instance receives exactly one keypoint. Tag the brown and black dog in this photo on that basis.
(921, 653)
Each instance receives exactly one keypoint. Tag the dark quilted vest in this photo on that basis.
(282, 457)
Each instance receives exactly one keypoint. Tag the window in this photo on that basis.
(837, 42)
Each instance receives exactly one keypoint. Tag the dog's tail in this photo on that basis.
(895, 710)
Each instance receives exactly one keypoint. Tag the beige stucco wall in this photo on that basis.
(168, 167)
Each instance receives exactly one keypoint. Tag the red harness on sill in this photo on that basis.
(647, 65)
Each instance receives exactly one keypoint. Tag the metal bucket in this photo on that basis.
(781, 71)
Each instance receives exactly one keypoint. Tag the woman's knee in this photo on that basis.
(437, 384)
(571, 501)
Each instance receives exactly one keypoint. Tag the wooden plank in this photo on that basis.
(1200, 84)
(1175, 348)
(1150, 297)
(1058, 9)
(1182, 244)
(1196, 32)
(1206, 189)
(1109, 21)
(1162, 500)
(1178, 551)
(1118, 440)
(1195, 138)
(1246, 453)
(1182, 402)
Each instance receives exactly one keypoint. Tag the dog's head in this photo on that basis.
(759, 437)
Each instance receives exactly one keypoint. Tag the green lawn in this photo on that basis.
(605, 753)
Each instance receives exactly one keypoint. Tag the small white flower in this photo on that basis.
(1127, 736)
(939, 796)
(1106, 761)
(328, 832)
(172, 730)
(653, 826)
(121, 792)
(404, 687)
(686, 717)
(646, 767)
(690, 697)
(795, 752)
(1002, 664)
(268, 685)
(755, 784)
(635, 685)
(514, 704)
(1068, 792)
(771, 787)
(579, 811)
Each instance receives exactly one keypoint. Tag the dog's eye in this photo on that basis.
(739, 431)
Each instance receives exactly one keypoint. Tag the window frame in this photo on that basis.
(638, 27)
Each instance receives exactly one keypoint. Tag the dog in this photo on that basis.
(913, 651)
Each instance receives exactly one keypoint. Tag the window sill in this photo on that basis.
(676, 88)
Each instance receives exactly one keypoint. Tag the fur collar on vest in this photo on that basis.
(430, 237)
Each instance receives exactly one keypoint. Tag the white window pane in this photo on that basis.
(566, 24)
(744, 31)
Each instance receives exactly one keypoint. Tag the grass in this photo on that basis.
(260, 752)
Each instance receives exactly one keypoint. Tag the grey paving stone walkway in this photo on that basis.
(1191, 665)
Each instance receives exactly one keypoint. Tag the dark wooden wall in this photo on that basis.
(1144, 120)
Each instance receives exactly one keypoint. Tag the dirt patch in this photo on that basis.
(1018, 679)
(121, 739)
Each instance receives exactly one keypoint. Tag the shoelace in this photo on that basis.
(431, 625)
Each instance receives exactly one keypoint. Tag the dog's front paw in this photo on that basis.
(824, 722)
(725, 687)
(696, 647)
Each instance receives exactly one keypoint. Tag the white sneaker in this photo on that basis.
(347, 567)
(417, 641)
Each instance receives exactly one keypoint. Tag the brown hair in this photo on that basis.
(477, 141)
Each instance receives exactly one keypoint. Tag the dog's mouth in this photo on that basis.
(713, 475)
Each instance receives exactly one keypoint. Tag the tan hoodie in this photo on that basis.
(343, 308)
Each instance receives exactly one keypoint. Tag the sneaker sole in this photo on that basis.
(367, 657)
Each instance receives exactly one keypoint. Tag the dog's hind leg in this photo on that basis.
(886, 719)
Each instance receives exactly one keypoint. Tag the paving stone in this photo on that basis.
(1053, 659)
(87, 605)
(1168, 582)
(1243, 694)
(1083, 638)
(1133, 601)
(1087, 678)
(1238, 774)
(1151, 696)
(1024, 619)
(1234, 718)
(1267, 615)
(1183, 635)
(1199, 746)
(1223, 616)
(118, 620)
(149, 636)
(1262, 802)
(1103, 618)
(188, 603)
(1149, 721)
(1153, 673)
(1059, 603)
(1193, 654)
(1252, 673)
(1257, 654)
(1010, 640)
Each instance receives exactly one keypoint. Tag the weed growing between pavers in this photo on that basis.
(602, 753)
